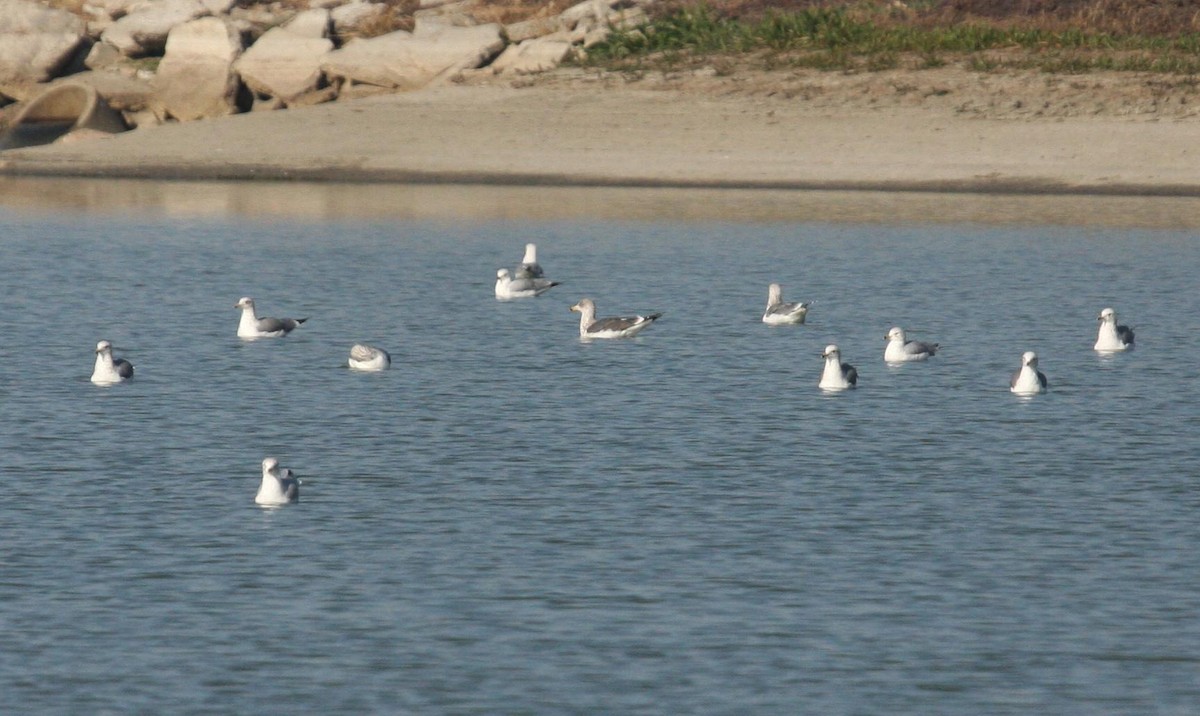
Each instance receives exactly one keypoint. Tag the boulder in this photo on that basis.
(354, 13)
(102, 56)
(310, 23)
(532, 28)
(282, 64)
(532, 56)
(195, 78)
(111, 9)
(36, 42)
(411, 61)
(144, 30)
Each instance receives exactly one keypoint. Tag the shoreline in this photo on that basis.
(580, 134)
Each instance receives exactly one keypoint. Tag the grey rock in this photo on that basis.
(195, 78)
(36, 42)
(410, 61)
(353, 14)
(144, 30)
(282, 64)
(310, 23)
(532, 56)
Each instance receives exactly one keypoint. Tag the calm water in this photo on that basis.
(513, 522)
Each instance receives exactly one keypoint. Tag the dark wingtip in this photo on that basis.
(654, 316)
(300, 320)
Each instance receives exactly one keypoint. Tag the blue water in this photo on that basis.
(511, 521)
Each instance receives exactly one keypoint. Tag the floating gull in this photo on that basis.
(251, 326)
(591, 327)
(509, 287)
(369, 358)
(837, 375)
(279, 486)
(530, 268)
(1028, 380)
(1112, 336)
(900, 349)
(109, 370)
(778, 312)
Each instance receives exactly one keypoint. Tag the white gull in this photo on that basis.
(1112, 337)
(616, 327)
(251, 326)
(509, 287)
(109, 370)
(278, 486)
(900, 349)
(368, 358)
(837, 375)
(780, 313)
(1028, 380)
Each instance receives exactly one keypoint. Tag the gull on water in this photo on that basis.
(509, 287)
(1028, 380)
(1112, 337)
(278, 486)
(900, 349)
(530, 268)
(251, 326)
(837, 375)
(780, 313)
(369, 358)
(623, 327)
(109, 370)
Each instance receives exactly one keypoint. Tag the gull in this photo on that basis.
(780, 313)
(279, 486)
(1028, 380)
(530, 268)
(1112, 336)
(369, 358)
(837, 375)
(623, 327)
(251, 326)
(109, 370)
(900, 349)
(509, 287)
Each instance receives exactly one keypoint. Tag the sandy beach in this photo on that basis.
(942, 130)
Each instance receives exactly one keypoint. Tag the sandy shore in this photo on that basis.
(582, 133)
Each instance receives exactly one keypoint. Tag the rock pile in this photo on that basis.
(161, 60)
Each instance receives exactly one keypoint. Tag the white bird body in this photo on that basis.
(836, 375)
(1112, 337)
(778, 312)
(109, 370)
(616, 327)
(278, 486)
(509, 287)
(530, 268)
(1028, 380)
(901, 350)
(251, 326)
(368, 358)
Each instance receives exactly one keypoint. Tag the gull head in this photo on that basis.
(244, 302)
(585, 304)
(774, 293)
(104, 347)
(1029, 358)
(502, 274)
(831, 351)
(896, 334)
(269, 465)
(1107, 315)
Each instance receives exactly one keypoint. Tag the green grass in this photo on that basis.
(832, 38)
